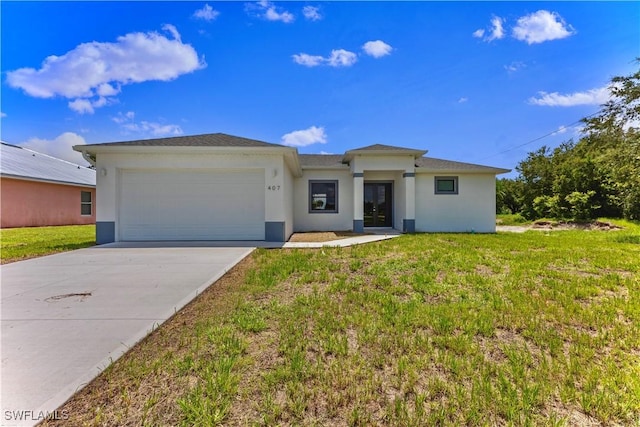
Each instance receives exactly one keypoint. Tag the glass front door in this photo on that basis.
(378, 204)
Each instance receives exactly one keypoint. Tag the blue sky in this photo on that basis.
(466, 81)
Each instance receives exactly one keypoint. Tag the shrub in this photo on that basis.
(581, 207)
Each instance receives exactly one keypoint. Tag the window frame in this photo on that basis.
(335, 182)
(445, 178)
(89, 203)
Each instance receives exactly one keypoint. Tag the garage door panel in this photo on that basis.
(192, 205)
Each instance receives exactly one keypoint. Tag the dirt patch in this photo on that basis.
(323, 236)
(569, 225)
(559, 226)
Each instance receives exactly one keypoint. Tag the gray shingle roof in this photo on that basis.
(21, 162)
(382, 147)
(207, 140)
(322, 160)
(434, 164)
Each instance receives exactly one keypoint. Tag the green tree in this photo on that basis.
(508, 196)
(613, 134)
(597, 176)
(536, 178)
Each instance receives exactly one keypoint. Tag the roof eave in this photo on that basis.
(146, 149)
(494, 171)
(320, 167)
(48, 181)
(292, 160)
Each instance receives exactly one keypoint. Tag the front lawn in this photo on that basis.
(29, 242)
(524, 329)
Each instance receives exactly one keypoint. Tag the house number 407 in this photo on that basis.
(273, 188)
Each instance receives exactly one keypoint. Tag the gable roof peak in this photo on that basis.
(382, 149)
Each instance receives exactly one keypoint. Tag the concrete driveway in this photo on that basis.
(66, 317)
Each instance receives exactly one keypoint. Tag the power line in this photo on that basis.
(541, 137)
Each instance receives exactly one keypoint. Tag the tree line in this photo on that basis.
(597, 176)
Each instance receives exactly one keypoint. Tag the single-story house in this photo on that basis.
(39, 190)
(223, 187)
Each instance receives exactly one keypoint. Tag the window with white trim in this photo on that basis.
(323, 196)
(446, 185)
(86, 206)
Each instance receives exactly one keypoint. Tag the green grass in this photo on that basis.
(438, 329)
(30, 242)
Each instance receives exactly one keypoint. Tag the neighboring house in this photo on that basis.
(39, 190)
(222, 187)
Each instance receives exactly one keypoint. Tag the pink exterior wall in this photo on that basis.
(35, 204)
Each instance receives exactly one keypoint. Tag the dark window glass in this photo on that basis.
(323, 196)
(85, 196)
(447, 185)
(85, 203)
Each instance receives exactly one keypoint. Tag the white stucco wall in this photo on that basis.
(287, 192)
(341, 221)
(363, 163)
(107, 197)
(471, 210)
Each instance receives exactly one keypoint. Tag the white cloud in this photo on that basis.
(123, 118)
(100, 102)
(127, 122)
(81, 106)
(60, 147)
(2, 115)
(94, 70)
(207, 13)
(377, 48)
(171, 29)
(88, 106)
(496, 31)
(267, 10)
(515, 66)
(105, 89)
(561, 129)
(308, 60)
(272, 15)
(463, 100)
(338, 58)
(325, 153)
(311, 13)
(541, 26)
(590, 97)
(302, 138)
(342, 58)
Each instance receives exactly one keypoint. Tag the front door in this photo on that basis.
(378, 204)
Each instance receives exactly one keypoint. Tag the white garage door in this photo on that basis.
(191, 205)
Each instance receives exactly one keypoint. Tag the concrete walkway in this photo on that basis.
(66, 317)
(349, 241)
